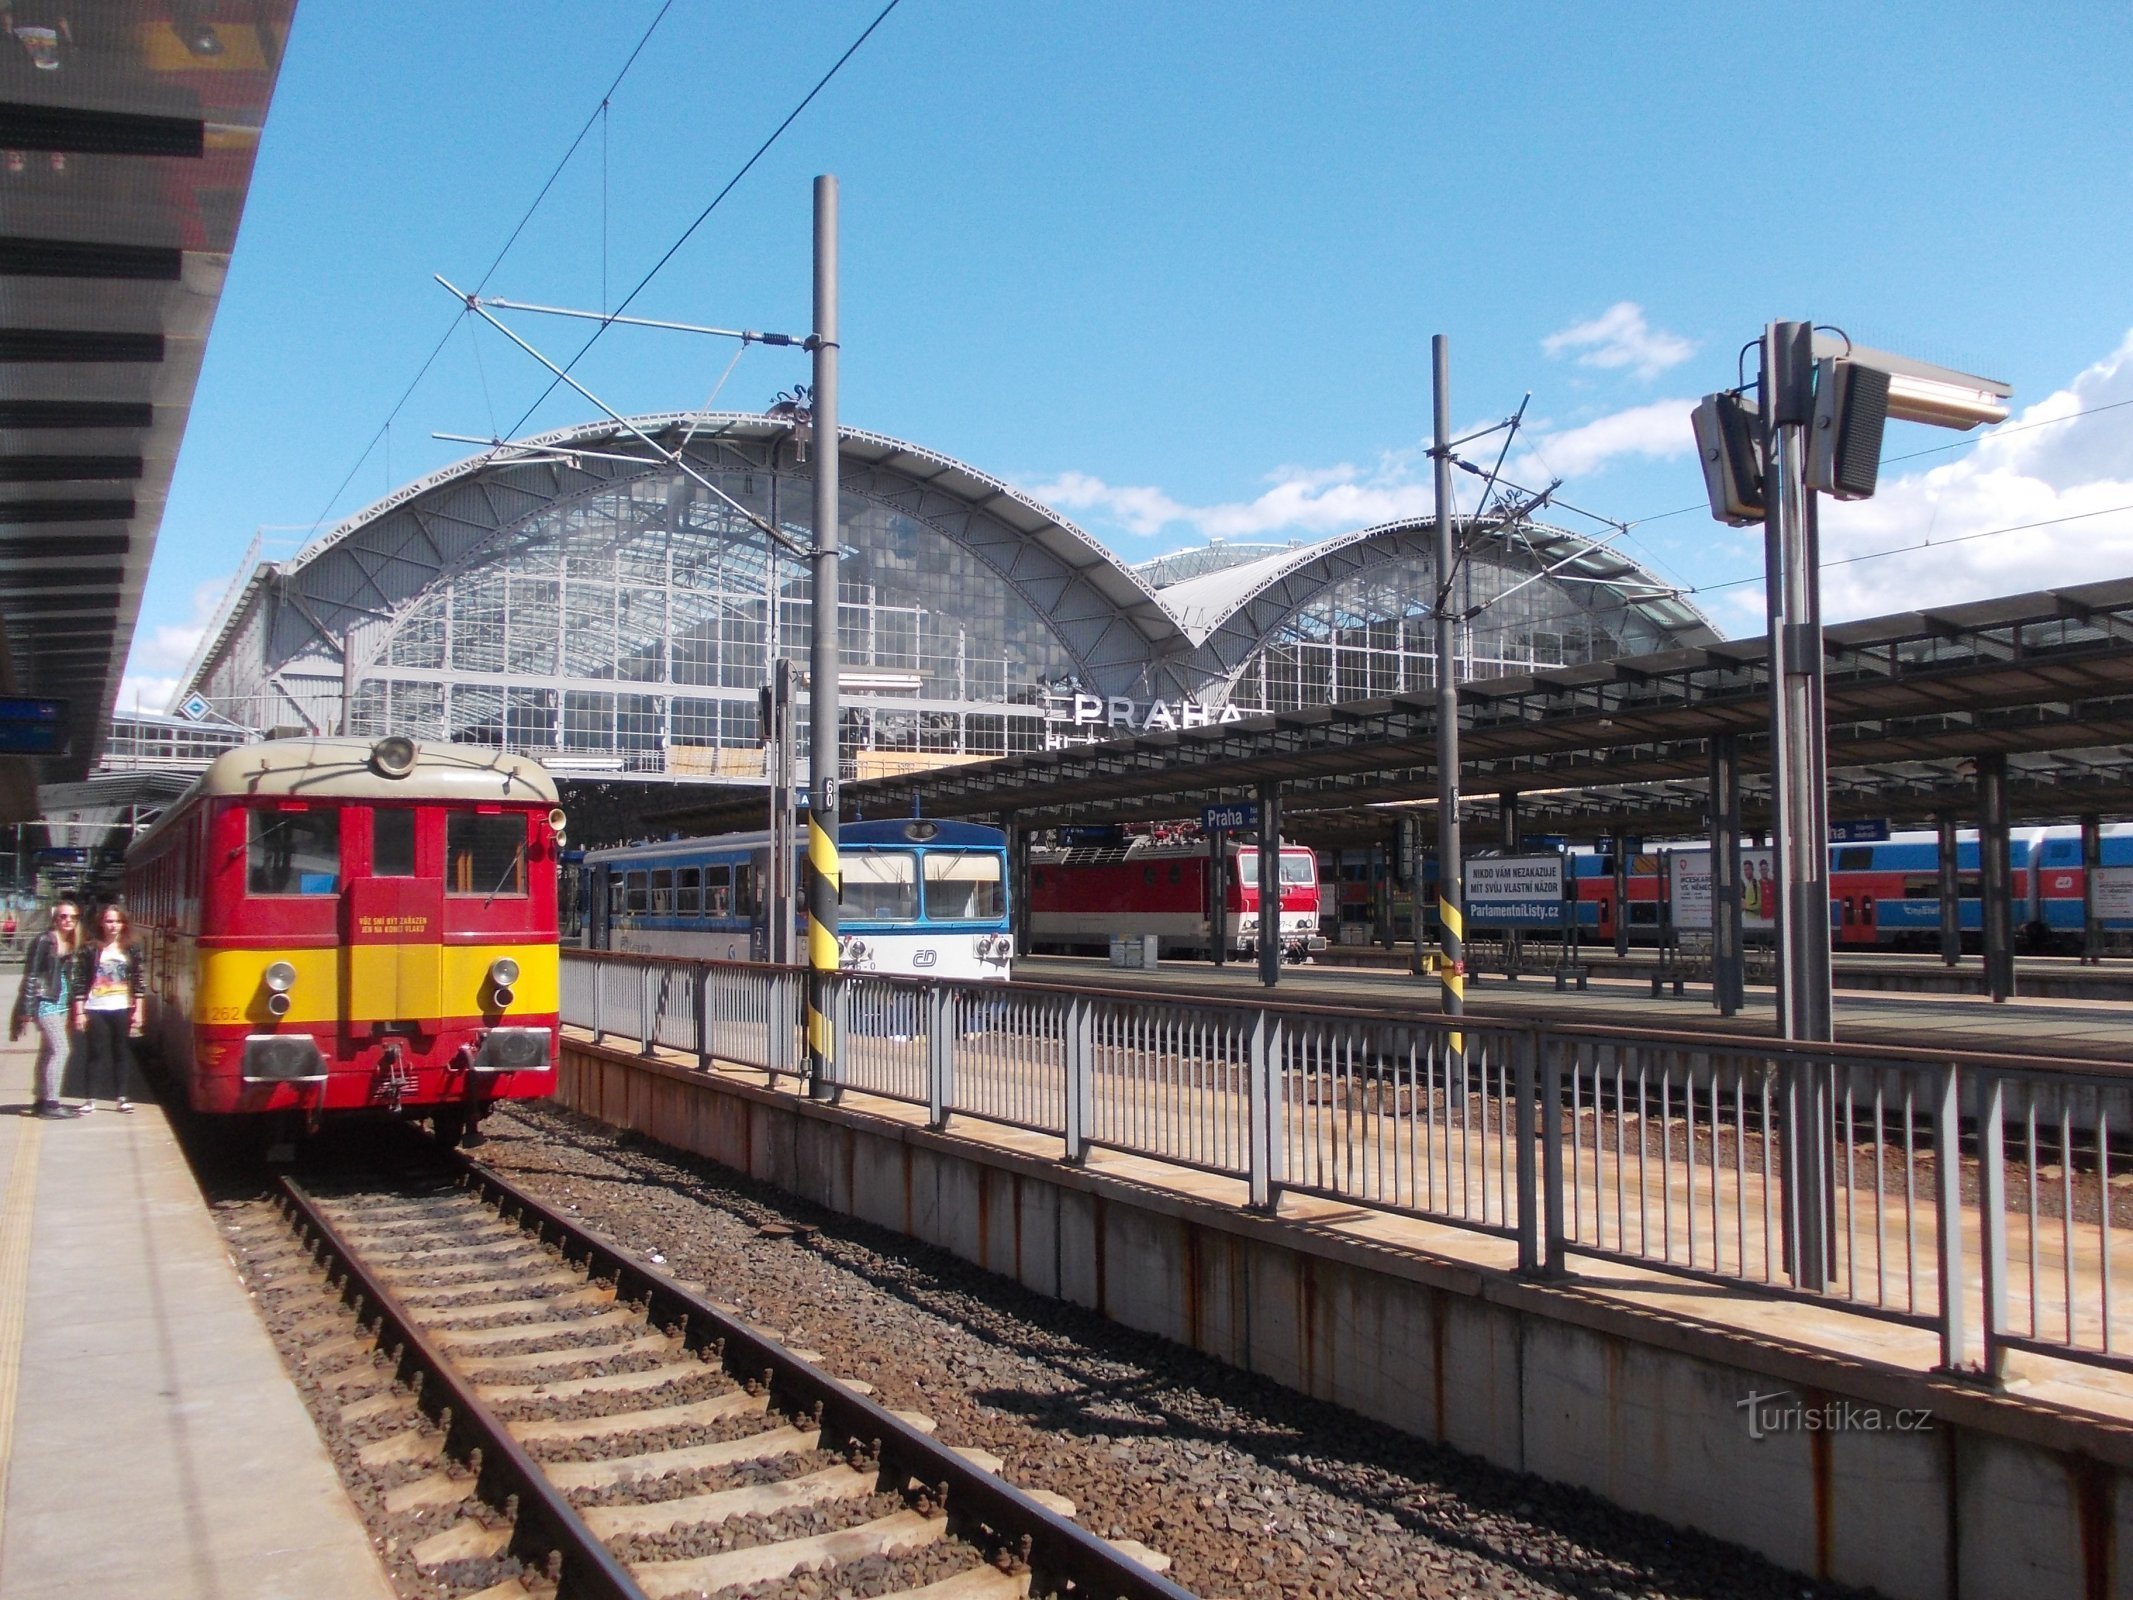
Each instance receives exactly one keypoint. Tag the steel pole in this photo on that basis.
(1799, 799)
(1727, 978)
(1995, 877)
(1270, 884)
(1950, 885)
(825, 877)
(1514, 941)
(2091, 864)
(1451, 877)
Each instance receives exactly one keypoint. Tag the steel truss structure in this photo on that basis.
(571, 597)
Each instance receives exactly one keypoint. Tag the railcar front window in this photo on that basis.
(879, 886)
(392, 844)
(963, 886)
(484, 855)
(1295, 869)
(293, 852)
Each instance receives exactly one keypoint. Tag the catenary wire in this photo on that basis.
(704, 215)
(534, 205)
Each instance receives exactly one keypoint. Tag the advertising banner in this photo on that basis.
(1515, 891)
(1692, 890)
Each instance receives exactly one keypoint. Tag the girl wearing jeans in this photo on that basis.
(47, 987)
(107, 1006)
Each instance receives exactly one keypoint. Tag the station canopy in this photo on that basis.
(129, 128)
(1913, 701)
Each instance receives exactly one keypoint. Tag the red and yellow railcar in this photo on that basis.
(332, 925)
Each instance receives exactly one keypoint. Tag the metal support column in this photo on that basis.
(1728, 980)
(1270, 884)
(1799, 795)
(1995, 877)
(1218, 871)
(1383, 930)
(783, 920)
(1514, 941)
(2091, 862)
(1451, 875)
(1618, 853)
(1951, 891)
(825, 878)
(1018, 882)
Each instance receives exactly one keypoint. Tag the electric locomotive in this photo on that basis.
(334, 925)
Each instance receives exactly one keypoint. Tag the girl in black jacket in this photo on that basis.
(43, 1002)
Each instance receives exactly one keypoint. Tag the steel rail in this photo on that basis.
(1062, 1554)
(504, 1468)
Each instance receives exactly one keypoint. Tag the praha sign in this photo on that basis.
(1081, 718)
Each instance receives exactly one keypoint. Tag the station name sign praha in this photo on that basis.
(1515, 891)
(1080, 718)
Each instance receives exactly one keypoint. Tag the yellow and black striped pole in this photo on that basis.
(824, 881)
(824, 877)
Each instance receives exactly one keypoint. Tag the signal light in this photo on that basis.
(504, 997)
(1844, 438)
(1728, 446)
(278, 1004)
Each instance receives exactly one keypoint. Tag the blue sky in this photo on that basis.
(1175, 268)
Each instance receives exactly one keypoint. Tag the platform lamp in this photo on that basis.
(1813, 427)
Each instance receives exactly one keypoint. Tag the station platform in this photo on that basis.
(150, 1440)
(2087, 1030)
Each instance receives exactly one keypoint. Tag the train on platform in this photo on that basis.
(920, 898)
(1082, 895)
(338, 925)
(1884, 895)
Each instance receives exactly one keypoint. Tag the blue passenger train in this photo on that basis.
(920, 897)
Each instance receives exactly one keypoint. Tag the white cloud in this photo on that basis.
(1659, 430)
(1620, 337)
(2060, 480)
(162, 652)
(1299, 500)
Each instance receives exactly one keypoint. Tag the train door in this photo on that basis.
(392, 921)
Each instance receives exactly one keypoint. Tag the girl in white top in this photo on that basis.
(107, 1001)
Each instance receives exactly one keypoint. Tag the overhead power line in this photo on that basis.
(702, 216)
(520, 227)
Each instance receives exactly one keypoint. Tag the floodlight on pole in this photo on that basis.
(1814, 427)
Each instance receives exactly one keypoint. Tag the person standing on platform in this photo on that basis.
(45, 996)
(107, 1006)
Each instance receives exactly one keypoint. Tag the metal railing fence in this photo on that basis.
(1977, 1196)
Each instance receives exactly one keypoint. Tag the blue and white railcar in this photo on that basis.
(920, 898)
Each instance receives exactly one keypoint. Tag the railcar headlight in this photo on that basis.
(503, 972)
(393, 756)
(280, 977)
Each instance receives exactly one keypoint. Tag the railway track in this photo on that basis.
(586, 1425)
